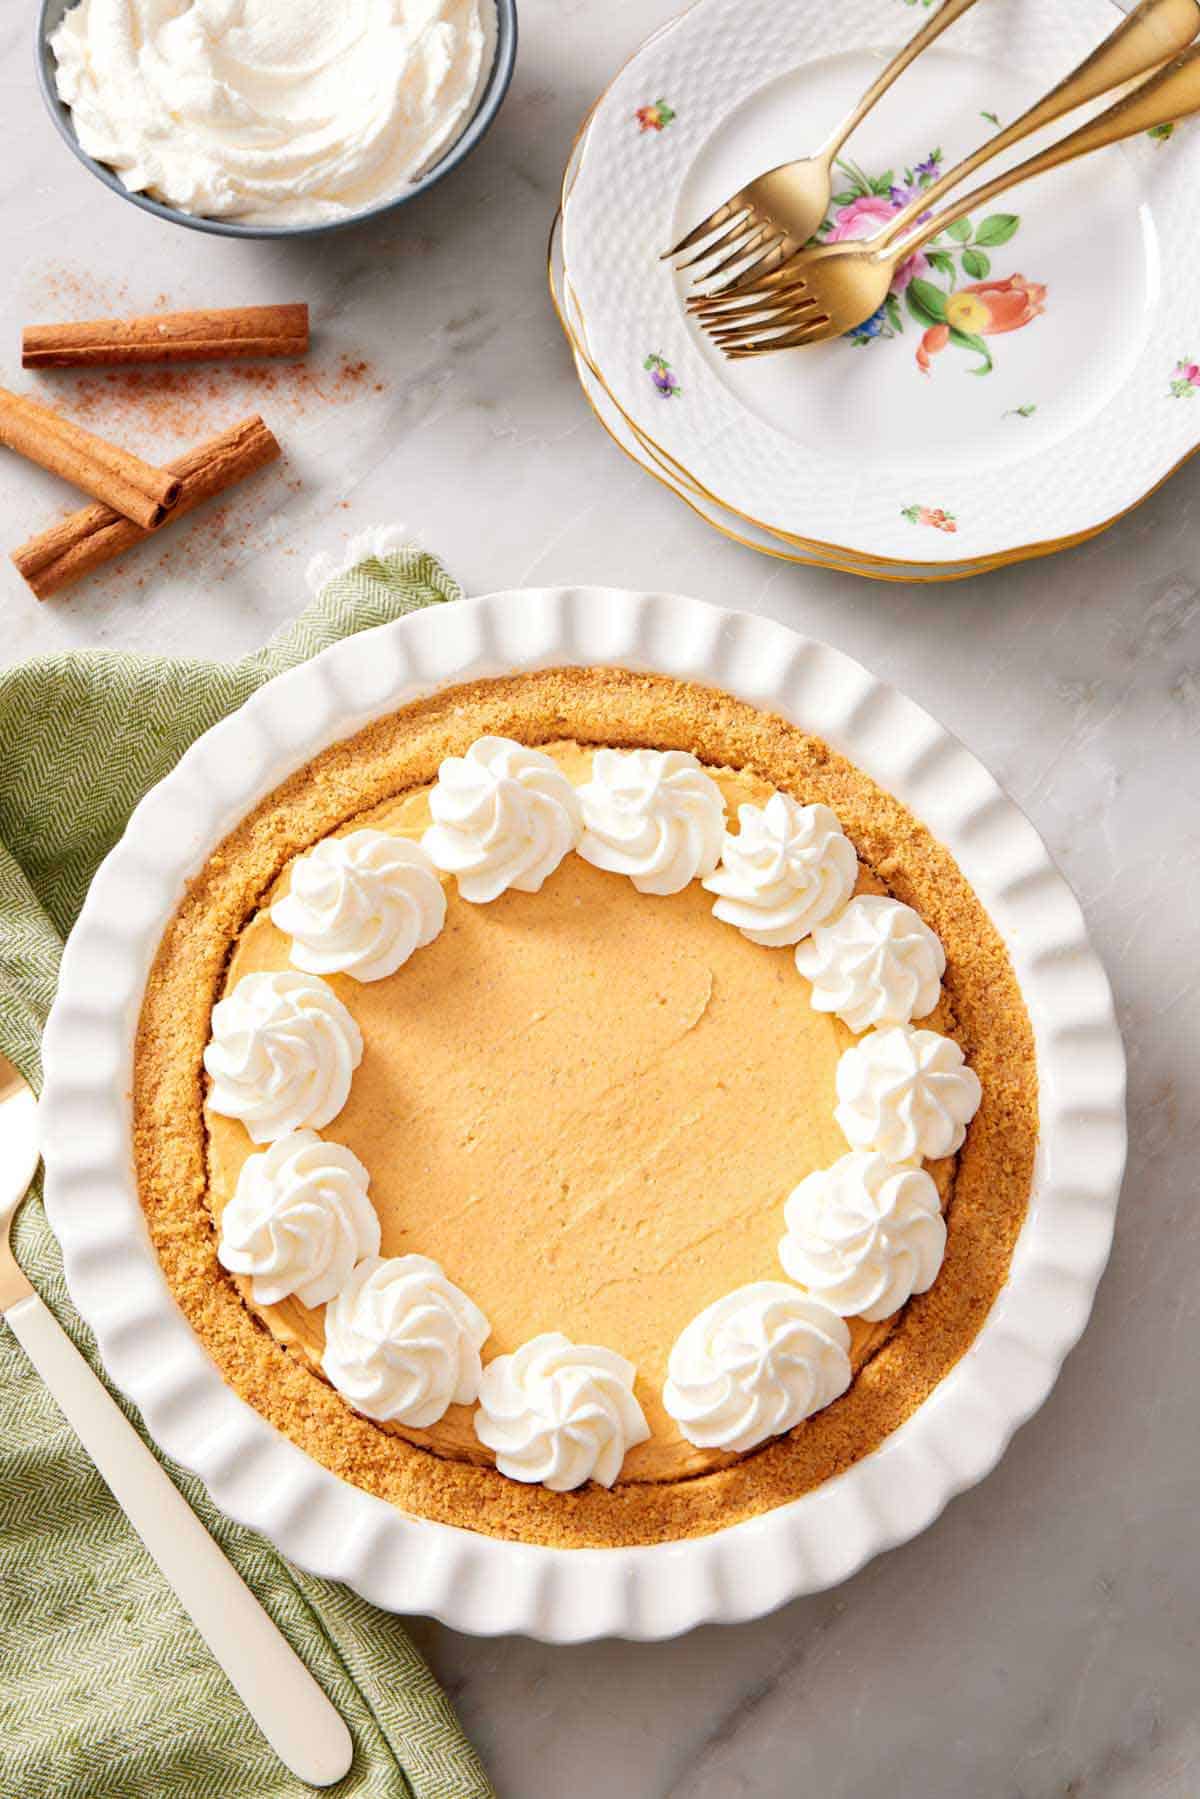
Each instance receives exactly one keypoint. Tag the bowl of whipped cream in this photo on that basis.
(273, 118)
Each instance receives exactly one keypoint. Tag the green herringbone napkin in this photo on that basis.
(106, 1691)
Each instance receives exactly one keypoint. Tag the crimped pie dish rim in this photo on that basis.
(483, 1584)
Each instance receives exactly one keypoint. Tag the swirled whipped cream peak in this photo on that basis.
(864, 1235)
(754, 1364)
(878, 963)
(402, 1342)
(559, 1412)
(282, 1054)
(273, 112)
(906, 1093)
(299, 1220)
(503, 816)
(360, 905)
(788, 868)
(654, 815)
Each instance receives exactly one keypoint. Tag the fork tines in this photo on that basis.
(748, 234)
(811, 331)
(738, 303)
(707, 226)
(775, 320)
(766, 304)
(734, 303)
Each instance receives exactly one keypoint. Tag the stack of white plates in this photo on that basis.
(1065, 390)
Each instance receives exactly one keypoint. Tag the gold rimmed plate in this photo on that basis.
(923, 442)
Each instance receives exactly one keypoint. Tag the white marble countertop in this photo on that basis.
(1041, 1638)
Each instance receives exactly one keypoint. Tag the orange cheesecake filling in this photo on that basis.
(588, 1105)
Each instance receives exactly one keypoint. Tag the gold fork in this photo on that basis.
(774, 215)
(274, 1685)
(1153, 33)
(842, 285)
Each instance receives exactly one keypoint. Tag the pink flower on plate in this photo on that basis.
(865, 217)
(862, 218)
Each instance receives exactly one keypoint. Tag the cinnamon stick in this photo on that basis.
(67, 551)
(215, 335)
(115, 476)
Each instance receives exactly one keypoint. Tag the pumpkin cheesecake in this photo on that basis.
(584, 1108)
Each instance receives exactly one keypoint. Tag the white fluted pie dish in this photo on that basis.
(483, 1584)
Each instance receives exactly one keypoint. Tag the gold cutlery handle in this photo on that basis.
(1171, 94)
(1155, 31)
(933, 28)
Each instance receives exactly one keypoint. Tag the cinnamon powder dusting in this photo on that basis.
(191, 401)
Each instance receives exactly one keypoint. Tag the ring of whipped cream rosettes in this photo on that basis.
(402, 1342)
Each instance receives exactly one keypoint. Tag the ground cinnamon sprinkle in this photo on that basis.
(80, 294)
(196, 400)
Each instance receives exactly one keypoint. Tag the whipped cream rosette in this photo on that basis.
(754, 1364)
(878, 963)
(653, 815)
(282, 1054)
(503, 816)
(864, 1235)
(402, 1342)
(299, 1220)
(360, 905)
(560, 1413)
(788, 868)
(906, 1093)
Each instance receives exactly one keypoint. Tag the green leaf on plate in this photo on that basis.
(923, 318)
(927, 301)
(997, 229)
(976, 263)
(967, 340)
(846, 198)
(942, 261)
(960, 231)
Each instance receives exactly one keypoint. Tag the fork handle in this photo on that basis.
(1155, 31)
(933, 28)
(1170, 95)
(272, 1682)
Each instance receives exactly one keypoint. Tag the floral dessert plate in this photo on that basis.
(646, 454)
(472, 1580)
(1031, 377)
(729, 524)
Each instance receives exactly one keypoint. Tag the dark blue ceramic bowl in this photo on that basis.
(494, 90)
